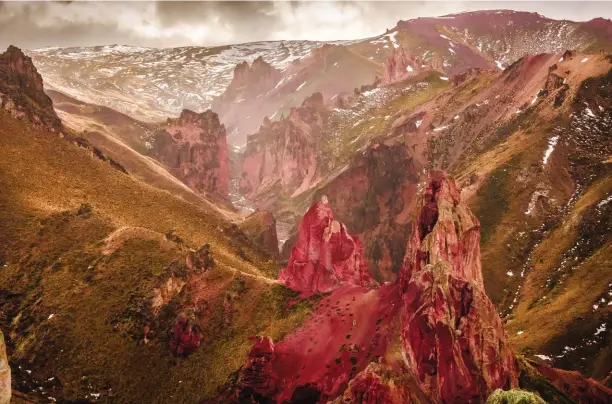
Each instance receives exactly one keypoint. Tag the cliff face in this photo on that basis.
(431, 336)
(194, 148)
(21, 91)
(283, 153)
(452, 337)
(375, 197)
(325, 255)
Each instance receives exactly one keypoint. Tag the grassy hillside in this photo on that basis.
(84, 248)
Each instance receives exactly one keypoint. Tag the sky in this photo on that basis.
(32, 25)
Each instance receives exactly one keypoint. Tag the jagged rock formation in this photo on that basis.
(452, 341)
(260, 226)
(325, 255)
(194, 148)
(452, 336)
(257, 379)
(21, 91)
(5, 374)
(377, 384)
(401, 64)
(374, 198)
(186, 335)
(248, 82)
(283, 153)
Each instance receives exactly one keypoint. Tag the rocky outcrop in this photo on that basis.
(452, 337)
(200, 260)
(399, 65)
(260, 226)
(283, 153)
(374, 198)
(257, 380)
(377, 384)
(194, 148)
(325, 255)
(579, 388)
(5, 374)
(248, 83)
(185, 335)
(21, 91)
(449, 346)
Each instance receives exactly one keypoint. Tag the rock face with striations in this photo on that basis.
(194, 148)
(283, 153)
(325, 255)
(449, 344)
(21, 91)
(452, 337)
(5, 374)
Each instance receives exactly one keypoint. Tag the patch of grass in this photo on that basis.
(494, 199)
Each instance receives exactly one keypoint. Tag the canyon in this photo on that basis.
(418, 217)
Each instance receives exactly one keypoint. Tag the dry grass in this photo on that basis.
(63, 263)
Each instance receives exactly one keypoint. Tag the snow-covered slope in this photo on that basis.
(152, 84)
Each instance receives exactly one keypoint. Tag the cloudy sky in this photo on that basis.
(162, 24)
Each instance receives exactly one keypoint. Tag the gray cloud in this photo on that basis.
(163, 24)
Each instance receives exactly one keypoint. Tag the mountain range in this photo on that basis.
(418, 217)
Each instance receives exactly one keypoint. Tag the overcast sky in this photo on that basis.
(162, 24)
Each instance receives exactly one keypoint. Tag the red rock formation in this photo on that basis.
(186, 336)
(579, 388)
(446, 230)
(284, 152)
(325, 255)
(400, 65)
(258, 379)
(452, 338)
(194, 148)
(376, 385)
(21, 91)
(453, 347)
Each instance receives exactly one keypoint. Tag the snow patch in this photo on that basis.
(444, 78)
(544, 357)
(584, 60)
(499, 65)
(551, 147)
(440, 128)
(409, 68)
(300, 86)
(418, 123)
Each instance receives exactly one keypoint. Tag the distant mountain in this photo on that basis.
(152, 84)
